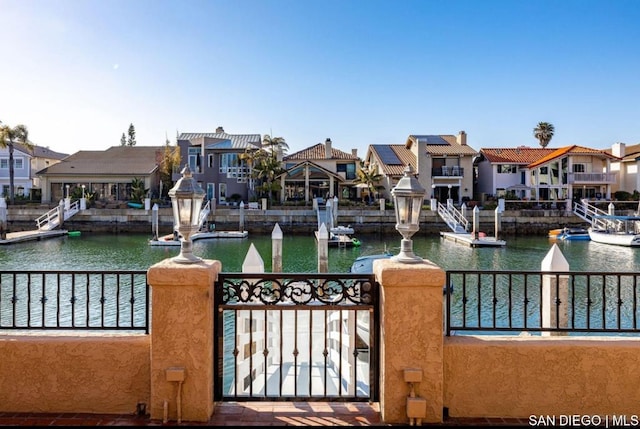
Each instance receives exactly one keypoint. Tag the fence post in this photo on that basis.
(276, 249)
(253, 262)
(182, 339)
(241, 226)
(411, 323)
(498, 222)
(323, 249)
(555, 293)
(476, 222)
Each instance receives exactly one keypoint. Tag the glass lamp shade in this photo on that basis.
(186, 199)
(408, 196)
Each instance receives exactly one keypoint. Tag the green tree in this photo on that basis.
(8, 137)
(265, 166)
(131, 141)
(366, 175)
(123, 140)
(544, 133)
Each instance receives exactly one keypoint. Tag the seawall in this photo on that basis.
(295, 221)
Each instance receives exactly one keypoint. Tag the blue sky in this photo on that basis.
(361, 72)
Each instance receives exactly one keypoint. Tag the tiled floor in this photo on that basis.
(250, 414)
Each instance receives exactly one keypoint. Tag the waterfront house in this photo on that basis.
(108, 174)
(215, 162)
(626, 167)
(504, 170)
(572, 173)
(319, 171)
(443, 163)
(27, 161)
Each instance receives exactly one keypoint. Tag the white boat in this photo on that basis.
(617, 230)
(172, 240)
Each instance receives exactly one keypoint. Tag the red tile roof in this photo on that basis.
(318, 152)
(573, 150)
(520, 155)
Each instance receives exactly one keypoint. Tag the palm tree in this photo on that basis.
(273, 144)
(9, 136)
(368, 176)
(544, 133)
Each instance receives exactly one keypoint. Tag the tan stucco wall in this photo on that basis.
(182, 337)
(410, 336)
(524, 376)
(86, 374)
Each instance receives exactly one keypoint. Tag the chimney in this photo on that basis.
(219, 130)
(461, 138)
(619, 150)
(354, 152)
(327, 149)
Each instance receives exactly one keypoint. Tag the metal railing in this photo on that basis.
(536, 301)
(296, 337)
(74, 300)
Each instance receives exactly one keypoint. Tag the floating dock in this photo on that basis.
(33, 235)
(469, 240)
(169, 240)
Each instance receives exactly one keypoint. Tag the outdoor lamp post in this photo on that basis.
(407, 198)
(67, 186)
(186, 199)
(433, 191)
(83, 186)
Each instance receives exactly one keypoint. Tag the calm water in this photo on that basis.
(131, 251)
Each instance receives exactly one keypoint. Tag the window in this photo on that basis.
(18, 163)
(579, 168)
(210, 160)
(507, 169)
(194, 159)
(222, 192)
(348, 169)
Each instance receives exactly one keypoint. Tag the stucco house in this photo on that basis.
(443, 163)
(214, 161)
(108, 173)
(319, 171)
(567, 173)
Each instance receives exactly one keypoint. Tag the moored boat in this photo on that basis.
(616, 230)
(572, 234)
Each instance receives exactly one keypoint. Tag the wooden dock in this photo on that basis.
(33, 235)
(469, 240)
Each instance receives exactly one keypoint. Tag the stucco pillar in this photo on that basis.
(411, 336)
(182, 338)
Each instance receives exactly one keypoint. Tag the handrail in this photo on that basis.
(49, 220)
(453, 218)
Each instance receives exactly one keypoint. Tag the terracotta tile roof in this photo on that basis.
(523, 155)
(442, 144)
(571, 150)
(117, 160)
(396, 168)
(318, 152)
(223, 140)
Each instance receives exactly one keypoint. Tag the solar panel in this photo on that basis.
(433, 140)
(387, 155)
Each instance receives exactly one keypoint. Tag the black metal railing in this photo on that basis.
(535, 301)
(74, 300)
(283, 336)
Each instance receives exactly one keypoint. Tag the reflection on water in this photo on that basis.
(131, 251)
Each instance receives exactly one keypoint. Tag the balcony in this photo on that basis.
(592, 178)
(447, 171)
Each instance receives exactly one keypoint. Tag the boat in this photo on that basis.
(173, 239)
(364, 264)
(570, 234)
(74, 233)
(616, 230)
(135, 205)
